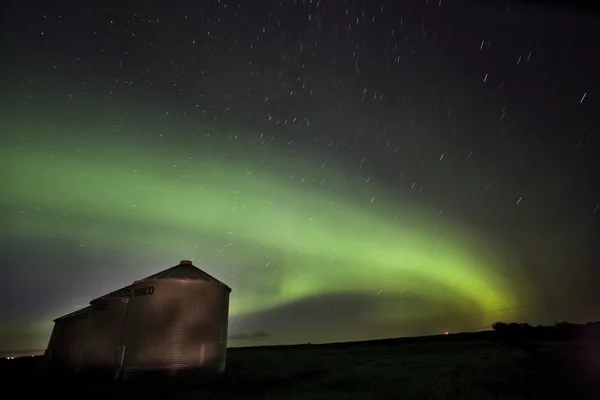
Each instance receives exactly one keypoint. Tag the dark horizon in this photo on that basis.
(257, 344)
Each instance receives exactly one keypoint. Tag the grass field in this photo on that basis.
(466, 366)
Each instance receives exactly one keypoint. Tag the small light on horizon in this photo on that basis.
(447, 333)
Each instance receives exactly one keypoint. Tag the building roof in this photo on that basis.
(184, 270)
(75, 314)
(122, 292)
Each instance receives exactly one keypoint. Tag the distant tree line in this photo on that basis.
(515, 331)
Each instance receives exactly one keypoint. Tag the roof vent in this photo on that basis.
(187, 262)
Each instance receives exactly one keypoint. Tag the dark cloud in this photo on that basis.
(250, 336)
(353, 316)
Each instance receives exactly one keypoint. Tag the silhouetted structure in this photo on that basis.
(176, 323)
(560, 331)
(172, 322)
(66, 339)
(103, 332)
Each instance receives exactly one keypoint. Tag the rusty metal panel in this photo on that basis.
(103, 333)
(175, 326)
(66, 340)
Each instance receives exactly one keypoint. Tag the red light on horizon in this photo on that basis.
(447, 333)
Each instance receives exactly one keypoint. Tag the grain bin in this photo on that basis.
(103, 332)
(66, 339)
(176, 323)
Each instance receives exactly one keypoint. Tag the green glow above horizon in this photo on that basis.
(166, 199)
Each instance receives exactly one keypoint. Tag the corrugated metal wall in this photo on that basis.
(103, 334)
(66, 340)
(175, 325)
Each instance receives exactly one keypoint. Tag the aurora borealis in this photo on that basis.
(405, 190)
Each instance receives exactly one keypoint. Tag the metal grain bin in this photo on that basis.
(176, 323)
(103, 332)
(66, 339)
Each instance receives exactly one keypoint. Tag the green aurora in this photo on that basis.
(210, 205)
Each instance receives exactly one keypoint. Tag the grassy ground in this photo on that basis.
(442, 368)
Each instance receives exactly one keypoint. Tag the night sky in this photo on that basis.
(352, 169)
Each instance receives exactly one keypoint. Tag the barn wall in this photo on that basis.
(103, 334)
(65, 341)
(175, 325)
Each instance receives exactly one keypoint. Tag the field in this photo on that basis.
(463, 366)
